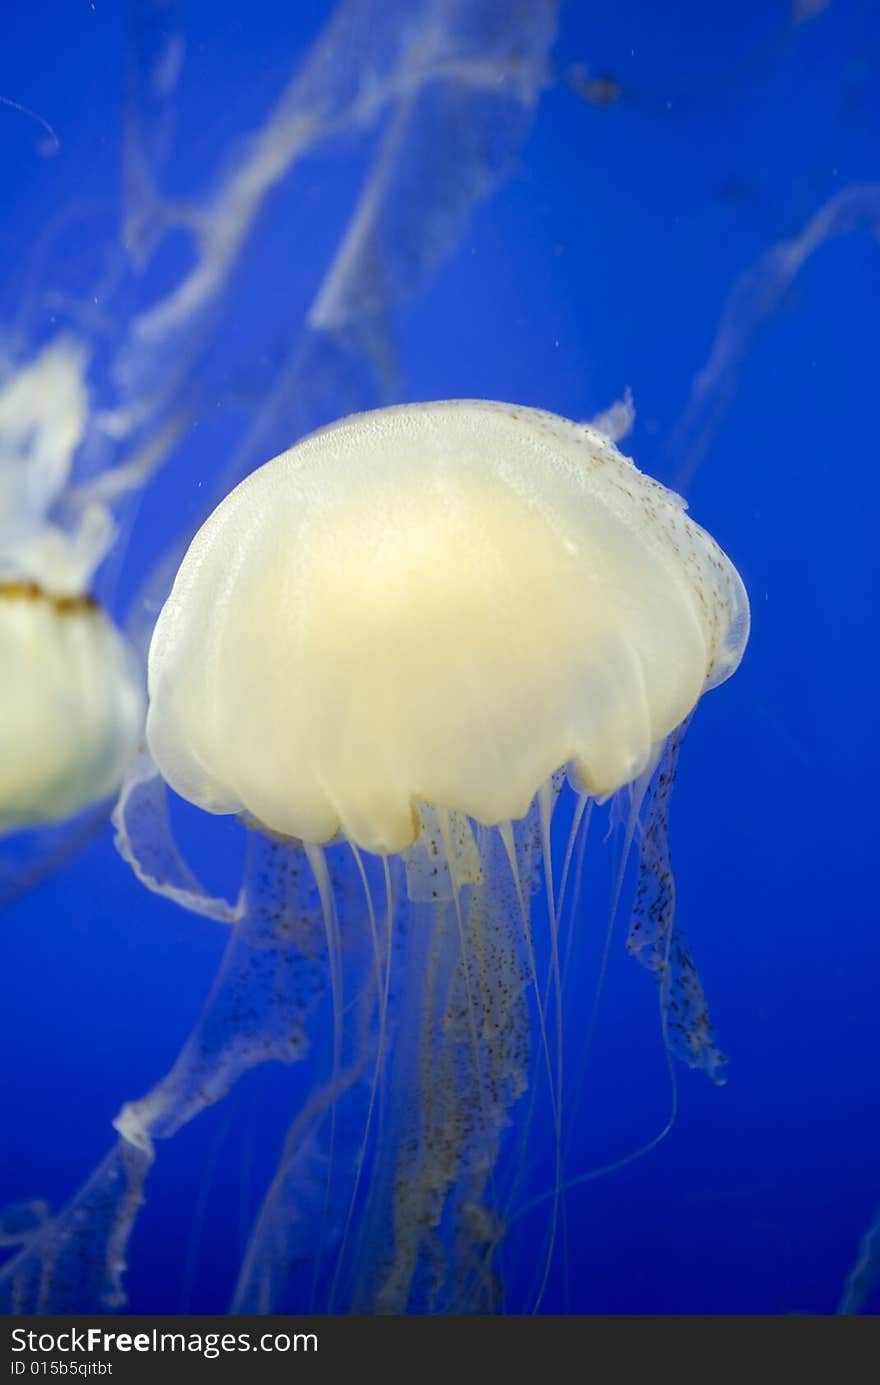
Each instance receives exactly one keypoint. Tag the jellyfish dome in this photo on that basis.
(71, 705)
(439, 603)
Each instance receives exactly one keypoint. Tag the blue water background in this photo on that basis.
(604, 261)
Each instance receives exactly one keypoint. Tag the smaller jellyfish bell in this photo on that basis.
(71, 708)
(441, 603)
(71, 705)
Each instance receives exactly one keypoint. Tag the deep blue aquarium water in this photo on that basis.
(256, 220)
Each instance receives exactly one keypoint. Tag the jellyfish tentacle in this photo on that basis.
(576, 852)
(506, 833)
(300, 1233)
(553, 1087)
(278, 1263)
(428, 1235)
(503, 996)
(553, 1076)
(423, 1151)
(383, 984)
(864, 1276)
(581, 814)
(270, 979)
(546, 802)
(144, 839)
(758, 292)
(472, 1012)
(75, 1260)
(318, 863)
(154, 62)
(636, 792)
(578, 1180)
(658, 942)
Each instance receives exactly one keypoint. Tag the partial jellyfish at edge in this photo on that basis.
(71, 699)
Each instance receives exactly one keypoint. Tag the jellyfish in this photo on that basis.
(71, 700)
(756, 294)
(398, 652)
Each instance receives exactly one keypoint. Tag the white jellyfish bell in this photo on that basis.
(71, 706)
(439, 603)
